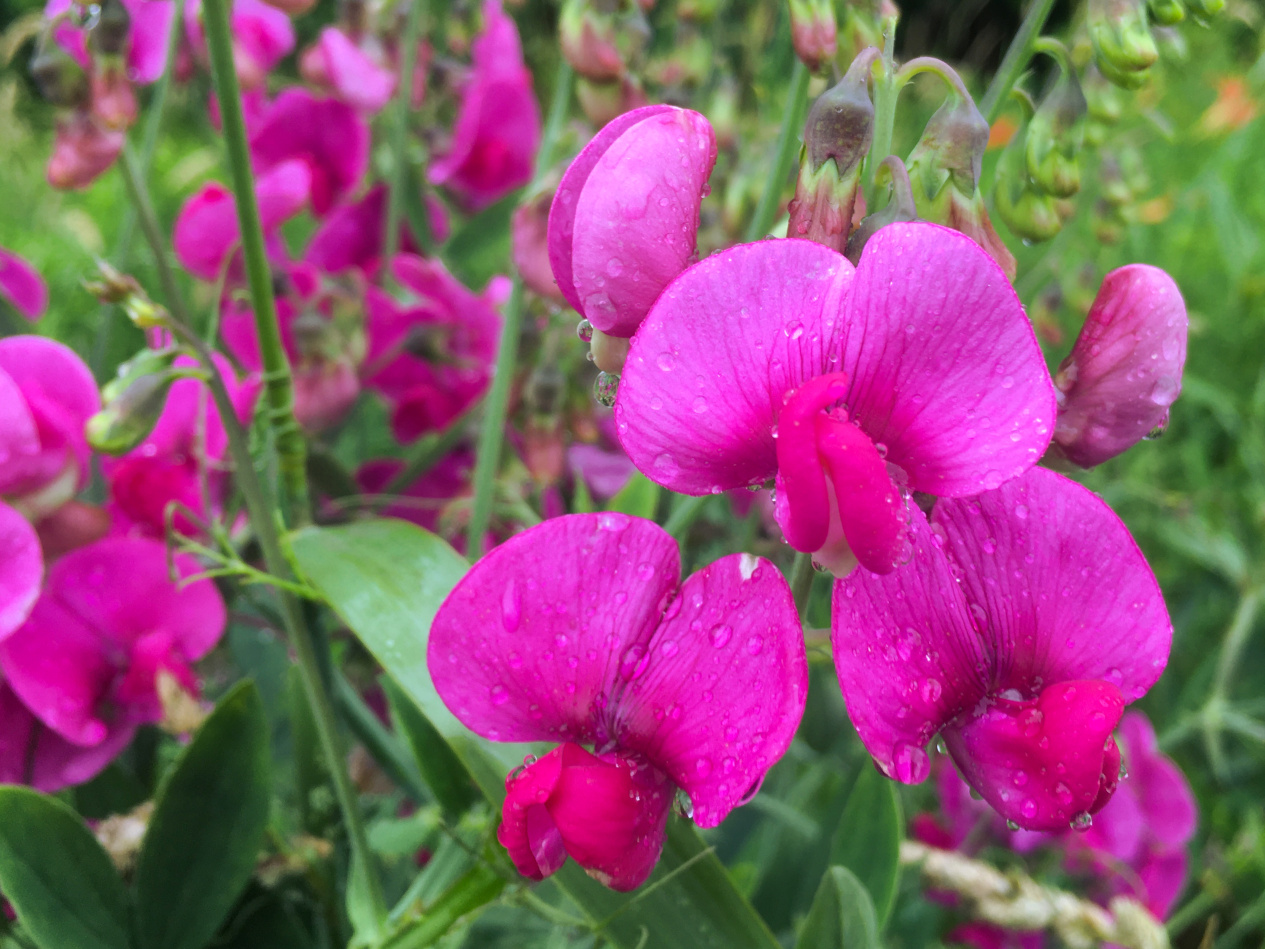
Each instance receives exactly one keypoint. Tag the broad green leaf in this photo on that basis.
(207, 827)
(441, 769)
(842, 915)
(59, 879)
(638, 498)
(867, 840)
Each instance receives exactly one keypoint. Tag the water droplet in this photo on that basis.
(585, 331)
(1011, 826)
(499, 694)
(755, 644)
(669, 649)
(1082, 821)
(614, 267)
(634, 662)
(931, 690)
(645, 571)
(666, 361)
(511, 607)
(605, 388)
(703, 767)
(720, 635)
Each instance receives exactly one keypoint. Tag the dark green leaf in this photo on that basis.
(638, 498)
(207, 827)
(867, 840)
(842, 915)
(441, 769)
(62, 884)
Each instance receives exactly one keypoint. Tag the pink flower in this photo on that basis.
(1026, 621)
(432, 359)
(146, 43)
(262, 37)
(604, 472)
(325, 134)
(86, 660)
(530, 246)
(206, 230)
(164, 468)
(47, 395)
(82, 150)
(917, 372)
(21, 569)
(31, 753)
(338, 65)
(352, 234)
(423, 501)
(1125, 369)
(580, 631)
(22, 286)
(497, 131)
(625, 217)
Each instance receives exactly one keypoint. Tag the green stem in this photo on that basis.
(386, 748)
(802, 582)
(492, 435)
(787, 140)
(886, 92)
(399, 131)
(1015, 60)
(279, 387)
(134, 182)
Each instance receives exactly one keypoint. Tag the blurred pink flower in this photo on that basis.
(352, 234)
(336, 64)
(21, 569)
(423, 501)
(146, 44)
(83, 149)
(262, 37)
(22, 286)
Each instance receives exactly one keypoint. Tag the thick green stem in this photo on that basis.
(492, 434)
(787, 140)
(134, 182)
(399, 131)
(278, 384)
(1015, 60)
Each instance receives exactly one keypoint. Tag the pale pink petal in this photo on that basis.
(604, 472)
(151, 27)
(946, 371)
(21, 285)
(19, 434)
(353, 76)
(21, 569)
(908, 657)
(724, 684)
(637, 217)
(566, 199)
(261, 33)
(702, 388)
(540, 637)
(1060, 588)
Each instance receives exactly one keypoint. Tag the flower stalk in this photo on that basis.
(1016, 59)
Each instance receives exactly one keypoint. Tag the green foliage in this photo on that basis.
(867, 841)
(842, 916)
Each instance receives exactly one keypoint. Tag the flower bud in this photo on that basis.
(123, 290)
(604, 101)
(899, 208)
(1125, 369)
(82, 150)
(113, 99)
(60, 80)
(133, 400)
(813, 32)
(109, 35)
(1027, 209)
(1206, 8)
(1167, 12)
(1055, 136)
(598, 43)
(837, 137)
(1123, 46)
(530, 244)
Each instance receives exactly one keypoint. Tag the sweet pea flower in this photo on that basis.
(351, 235)
(262, 37)
(431, 359)
(580, 631)
(47, 395)
(497, 133)
(625, 217)
(149, 22)
(109, 621)
(1025, 623)
(206, 230)
(22, 286)
(338, 65)
(328, 135)
(1125, 370)
(83, 149)
(917, 371)
(21, 569)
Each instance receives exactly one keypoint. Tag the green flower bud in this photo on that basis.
(1167, 12)
(900, 208)
(1029, 211)
(1056, 134)
(1123, 46)
(1206, 8)
(814, 32)
(133, 401)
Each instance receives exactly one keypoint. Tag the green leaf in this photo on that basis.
(638, 498)
(842, 915)
(470, 894)
(441, 769)
(207, 827)
(867, 840)
(59, 879)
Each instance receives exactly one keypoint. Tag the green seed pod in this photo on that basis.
(1123, 46)
(1167, 12)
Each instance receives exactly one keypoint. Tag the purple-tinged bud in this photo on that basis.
(1123, 46)
(1125, 369)
(814, 32)
(109, 35)
(837, 137)
(900, 208)
(598, 42)
(1167, 12)
(1056, 134)
(60, 80)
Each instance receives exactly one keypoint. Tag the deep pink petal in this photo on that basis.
(802, 481)
(539, 637)
(151, 27)
(637, 217)
(1042, 762)
(46, 366)
(703, 384)
(1126, 367)
(724, 684)
(1163, 792)
(261, 32)
(1163, 876)
(908, 658)
(351, 235)
(1060, 588)
(21, 569)
(946, 371)
(566, 198)
(21, 285)
(527, 831)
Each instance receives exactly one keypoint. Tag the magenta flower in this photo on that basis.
(21, 569)
(22, 286)
(87, 659)
(431, 359)
(625, 217)
(580, 631)
(328, 135)
(494, 141)
(262, 37)
(47, 395)
(146, 43)
(422, 502)
(83, 150)
(352, 234)
(339, 66)
(164, 468)
(917, 372)
(1125, 369)
(206, 230)
(1026, 621)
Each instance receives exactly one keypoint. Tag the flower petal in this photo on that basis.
(21, 569)
(724, 685)
(566, 198)
(1164, 794)
(703, 383)
(1061, 590)
(946, 371)
(151, 28)
(538, 638)
(21, 285)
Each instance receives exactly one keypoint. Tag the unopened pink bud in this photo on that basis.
(1125, 369)
(589, 41)
(814, 32)
(529, 231)
(82, 150)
